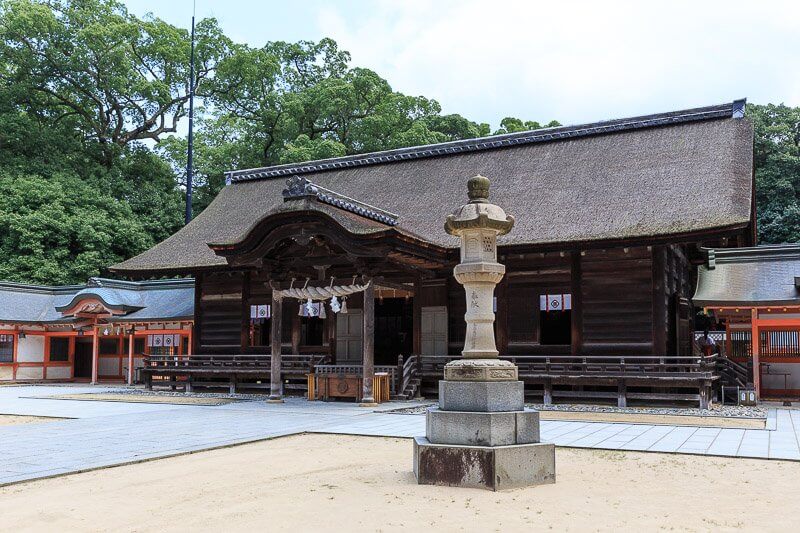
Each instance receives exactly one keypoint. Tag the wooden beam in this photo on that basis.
(276, 379)
(368, 344)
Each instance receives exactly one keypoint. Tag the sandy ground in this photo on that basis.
(13, 420)
(137, 398)
(672, 420)
(344, 483)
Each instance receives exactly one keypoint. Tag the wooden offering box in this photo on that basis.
(338, 386)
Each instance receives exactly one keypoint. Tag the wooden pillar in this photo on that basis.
(332, 318)
(501, 317)
(368, 344)
(245, 323)
(190, 344)
(296, 325)
(275, 377)
(705, 395)
(14, 351)
(130, 357)
(755, 342)
(198, 313)
(622, 394)
(659, 301)
(416, 318)
(547, 398)
(95, 354)
(577, 304)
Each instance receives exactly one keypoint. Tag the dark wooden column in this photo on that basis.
(245, 340)
(416, 317)
(198, 312)
(501, 317)
(577, 304)
(659, 301)
(368, 344)
(275, 377)
(296, 330)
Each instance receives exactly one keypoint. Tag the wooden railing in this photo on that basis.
(358, 370)
(407, 371)
(733, 372)
(597, 366)
(231, 363)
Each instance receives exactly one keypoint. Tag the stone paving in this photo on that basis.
(98, 434)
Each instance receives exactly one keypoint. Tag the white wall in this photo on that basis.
(777, 381)
(30, 372)
(31, 349)
(108, 366)
(59, 372)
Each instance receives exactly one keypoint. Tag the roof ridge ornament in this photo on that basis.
(297, 187)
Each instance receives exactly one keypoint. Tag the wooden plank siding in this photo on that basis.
(625, 301)
(220, 309)
(617, 301)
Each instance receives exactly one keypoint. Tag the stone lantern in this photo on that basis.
(478, 224)
(481, 435)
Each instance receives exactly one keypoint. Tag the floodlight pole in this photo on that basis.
(189, 158)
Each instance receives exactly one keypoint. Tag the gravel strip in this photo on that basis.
(727, 411)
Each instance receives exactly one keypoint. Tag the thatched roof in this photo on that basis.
(762, 275)
(675, 173)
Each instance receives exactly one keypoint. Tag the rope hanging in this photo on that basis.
(322, 293)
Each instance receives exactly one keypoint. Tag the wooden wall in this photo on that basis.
(625, 301)
(617, 301)
(218, 312)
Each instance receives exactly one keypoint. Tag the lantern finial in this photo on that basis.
(478, 189)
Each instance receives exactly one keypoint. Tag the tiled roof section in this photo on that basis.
(733, 109)
(298, 187)
(761, 275)
(143, 300)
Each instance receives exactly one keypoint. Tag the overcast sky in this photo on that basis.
(572, 61)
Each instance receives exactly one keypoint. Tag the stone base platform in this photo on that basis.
(482, 429)
(484, 467)
(481, 396)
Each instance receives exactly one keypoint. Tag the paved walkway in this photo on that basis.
(102, 434)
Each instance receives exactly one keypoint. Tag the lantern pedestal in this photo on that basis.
(481, 435)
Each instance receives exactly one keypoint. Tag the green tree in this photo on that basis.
(515, 125)
(61, 230)
(777, 167)
(123, 79)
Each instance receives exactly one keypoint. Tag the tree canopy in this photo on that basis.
(93, 150)
(777, 164)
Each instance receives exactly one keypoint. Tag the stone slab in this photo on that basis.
(485, 467)
(481, 396)
(480, 370)
(482, 429)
